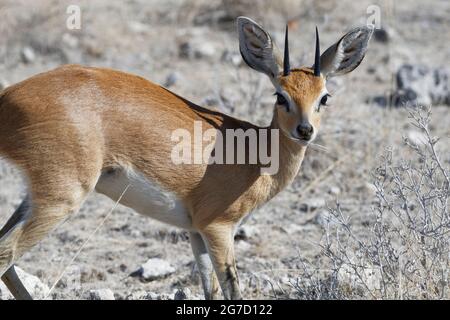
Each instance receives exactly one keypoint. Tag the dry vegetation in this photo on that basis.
(368, 215)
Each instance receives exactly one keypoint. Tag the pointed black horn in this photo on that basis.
(287, 67)
(317, 56)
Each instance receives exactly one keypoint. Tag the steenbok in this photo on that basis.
(77, 129)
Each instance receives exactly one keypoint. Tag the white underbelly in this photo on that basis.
(144, 196)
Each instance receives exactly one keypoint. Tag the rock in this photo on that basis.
(197, 48)
(232, 57)
(36, 288)
(418, 85)
(28, 55)
(422, 85)
(100, 294)
(246, 232)
(154, 268)
(185, 50)
(334, 190)
(205, 49)
(142, 295)
(164, 296)
(312, 204)
(381, 101)
(381, 35)
(151, 296)
(182, 294)
(172, 78)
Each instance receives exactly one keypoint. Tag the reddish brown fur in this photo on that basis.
(65, 126)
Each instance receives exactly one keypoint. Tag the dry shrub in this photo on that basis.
(402, 251)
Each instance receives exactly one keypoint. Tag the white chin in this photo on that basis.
(303, 142)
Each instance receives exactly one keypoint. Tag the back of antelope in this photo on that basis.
(77, 129)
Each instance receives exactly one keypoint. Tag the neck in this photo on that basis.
(291, 155)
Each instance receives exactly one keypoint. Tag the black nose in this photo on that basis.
(305, 131)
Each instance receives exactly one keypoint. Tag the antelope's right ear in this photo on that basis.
(257, 48)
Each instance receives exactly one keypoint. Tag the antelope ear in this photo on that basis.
(257, 48)
(346, 54)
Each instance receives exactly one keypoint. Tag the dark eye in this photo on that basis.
(281, 100)
(323, 101)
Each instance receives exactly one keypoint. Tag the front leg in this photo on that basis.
(220, 243)
(205, 267)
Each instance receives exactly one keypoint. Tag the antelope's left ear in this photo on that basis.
(346, 54)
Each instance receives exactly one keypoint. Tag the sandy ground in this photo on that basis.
(145, 37)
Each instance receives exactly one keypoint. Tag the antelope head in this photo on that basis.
(301, 92)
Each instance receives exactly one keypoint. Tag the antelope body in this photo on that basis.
(76, 129)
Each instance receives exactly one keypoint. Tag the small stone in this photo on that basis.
(231, 57)
(142, 295)
(154, 268)
(334, 190)
(151, 296)
(312, 204)
(182, 294)
(185, 50)
(423, 85)
(197, 48)
(172, 78)
(28, 55)
(381, 35)
(101, 294)
(204, 49)
(35, 287)
(246, 232)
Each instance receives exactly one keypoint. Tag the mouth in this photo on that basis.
(300, 141)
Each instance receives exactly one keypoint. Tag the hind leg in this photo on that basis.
(10, 234)
(10, 277)
(15, 285)
(35, 218)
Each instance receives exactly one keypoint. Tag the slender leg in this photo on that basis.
(15, 285)
(11, 234)
(219, 241)
(30, 224)
(205, 267)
